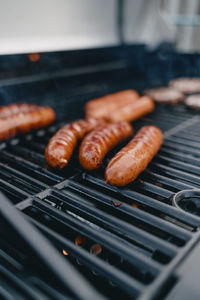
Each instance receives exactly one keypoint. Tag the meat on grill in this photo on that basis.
(24, 122)
(132, 159)
(14, 109)
(165, 95)
(97, 143)
(132, 111)
(100, 108)
(193, 101)
(186, 85)
(61, 146)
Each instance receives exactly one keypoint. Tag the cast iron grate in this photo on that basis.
(126, 241)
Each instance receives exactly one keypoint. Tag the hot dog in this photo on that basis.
(131, 160)
(14, 109)
(24, 122)
(101, 107)
(132, 111)
(61, 146)
(101, 140)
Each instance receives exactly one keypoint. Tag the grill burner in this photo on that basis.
(128, 242)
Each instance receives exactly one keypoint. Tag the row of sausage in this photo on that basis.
(106, 125)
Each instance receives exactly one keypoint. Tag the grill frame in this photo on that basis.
(24, 169)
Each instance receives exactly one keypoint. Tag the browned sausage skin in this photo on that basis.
(100, 108)
(61, 146)
(132, 111)
(131, 160)
(14, 109)
(101, 140)
(24, 122)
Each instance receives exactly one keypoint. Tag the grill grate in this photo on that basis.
(128, 242)
(137, 233)
(18, 282)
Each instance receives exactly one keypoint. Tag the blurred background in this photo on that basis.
(51, 25)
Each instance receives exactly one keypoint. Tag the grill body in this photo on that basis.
(128, 242)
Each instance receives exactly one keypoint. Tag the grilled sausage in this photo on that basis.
(132, 111)
(24, 122)
(60, 147)
(14, 109)
(101, 107)
(131, 160)
(101, 140)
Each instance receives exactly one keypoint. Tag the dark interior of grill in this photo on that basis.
(127, 242)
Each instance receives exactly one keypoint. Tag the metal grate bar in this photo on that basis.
(157, 285)
(110, 272)
(166, 181)
(33, 169)
(26, 153)
(147, 201)
(19, 269)
(184, 142)
(13, 173)
(175, 173)
(48, 290)
(178, 164)
(144, 185)
(35, 146)
(181, 148)
(26, 289)
(46, 253)
(132, 211)
(117, 224)
(181, 126)
(15, 193)
(187, 136)
(180, 156)
(107, 241)
(12, 261)
(190, 132)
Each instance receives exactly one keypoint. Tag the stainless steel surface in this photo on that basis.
(31, 26)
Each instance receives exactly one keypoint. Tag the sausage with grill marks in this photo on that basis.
(100, 108)
(97, 143)
(132, 111)
(61, 146)
(14, 109)
(132, 159)
(24, 122)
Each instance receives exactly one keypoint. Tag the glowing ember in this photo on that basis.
(96, 249)
(34, 57)
(65, 252)
(80, 240)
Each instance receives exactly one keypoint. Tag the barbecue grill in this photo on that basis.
(130, 242)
